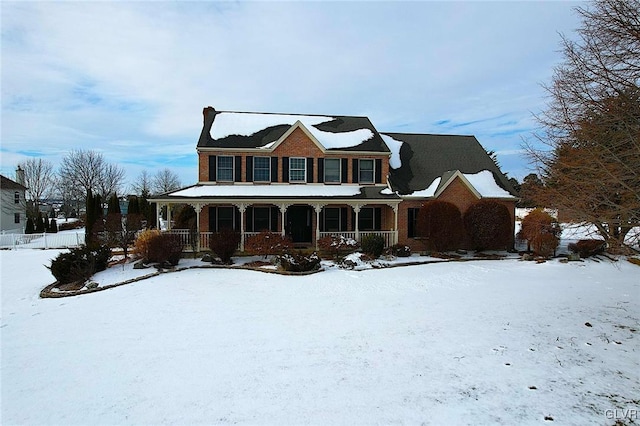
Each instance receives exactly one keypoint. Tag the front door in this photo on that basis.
(299, 223)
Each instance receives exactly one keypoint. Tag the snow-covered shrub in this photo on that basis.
(224, 244)
(439, 224)
(588, 248)
(79, 264)
(373, 245)
(268, 243)
(399, 250)
(165, 248)
(541, 231)
(298, 262)
(488, 225)
(143, 242)
(337, 245)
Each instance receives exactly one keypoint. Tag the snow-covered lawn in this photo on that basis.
(484, 342)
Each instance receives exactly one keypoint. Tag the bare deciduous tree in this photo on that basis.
(81, 170)
(111, 180)
(143, 184)
(39, 179)
(165, 180)
(590, 166)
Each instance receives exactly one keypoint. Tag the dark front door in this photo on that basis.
(299, 223)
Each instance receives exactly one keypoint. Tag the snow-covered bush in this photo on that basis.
(439, 225)
(268, 243)
(488, 225)
(337, 245)
(399, 250)
(224, 244)
(373, 245)
(79, 264)
(588, 248)
(298, 262)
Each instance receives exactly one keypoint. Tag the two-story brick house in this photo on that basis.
(307, 176)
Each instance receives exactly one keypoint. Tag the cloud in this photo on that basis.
(131, 78)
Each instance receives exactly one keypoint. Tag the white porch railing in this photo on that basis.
(42, 241)
(390, 237)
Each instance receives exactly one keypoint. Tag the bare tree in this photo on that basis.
(143, 184)
(590, 167)
(39, 179)
(165, 180)
(81, 171)
(111, 180)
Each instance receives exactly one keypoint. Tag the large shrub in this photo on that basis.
(79, 264)
(224, 244)
(165, 248)
(541, 231)
(298, 262)
(439, 224)
(588, 248)
(268, 243)
(143, 243)
(373, 245)
(337, 245)
(488, 225)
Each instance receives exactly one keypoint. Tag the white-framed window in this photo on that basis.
(16, 218)
(16, 198)
(297, 169)
(261, 169)
(366, 172)
(332, 170)
(224, 168)
(332, 219)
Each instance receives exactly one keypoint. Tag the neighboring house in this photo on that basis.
(14, 212)
(308, 176)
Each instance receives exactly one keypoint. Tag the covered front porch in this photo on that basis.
(303, 223)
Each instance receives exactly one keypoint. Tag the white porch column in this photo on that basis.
(318, 209)
(283, 210)
(243, 208)
(158, 210)
(168, 217)
(198, 208)
(356, 209)
(395, 224)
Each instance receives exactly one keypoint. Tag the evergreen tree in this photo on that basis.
(29, 227)
(53, 226)
(39, 224)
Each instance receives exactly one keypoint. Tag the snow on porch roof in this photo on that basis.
(227, 129)
(282, 191)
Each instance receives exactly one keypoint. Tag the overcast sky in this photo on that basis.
(130, 79)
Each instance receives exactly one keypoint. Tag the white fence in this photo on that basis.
(390, 237)
(42, 241)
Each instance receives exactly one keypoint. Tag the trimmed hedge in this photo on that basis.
(373, 245)
(399, 250)
(298, 262)
(440, 225)
(541, 231)
(224, 244)
(488, 225)
(79, 264)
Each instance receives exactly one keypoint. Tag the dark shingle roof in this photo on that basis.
(6, 183)
(427, 157)
(274, 126)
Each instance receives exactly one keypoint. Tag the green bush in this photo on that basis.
(79, 264)
(399, 250)
(298, 262)
(224, 244)
(373, 245)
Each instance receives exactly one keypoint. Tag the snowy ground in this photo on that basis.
(485, 342)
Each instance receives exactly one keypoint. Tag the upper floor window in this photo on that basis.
(261, 169)
(225, 168)
(16, 198)
(297, 169)
(332, 172)
(16, 218)
(366, 172)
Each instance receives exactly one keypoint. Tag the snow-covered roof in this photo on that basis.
(228, 129)
(483, 183)
(394, 146)
(281, 191)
